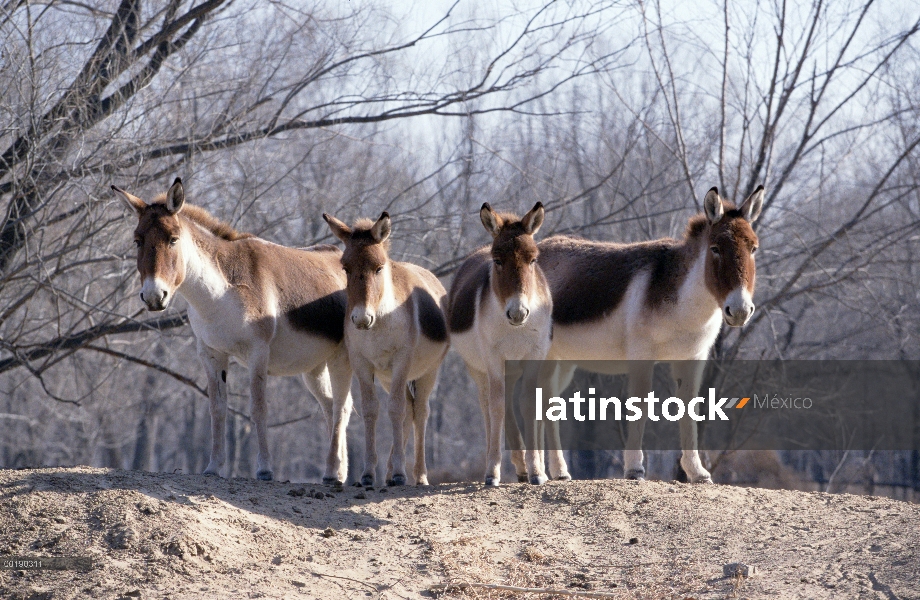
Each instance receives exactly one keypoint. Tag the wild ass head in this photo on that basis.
(730, 269)
(365, 261)
(514, 259)
(159, 258)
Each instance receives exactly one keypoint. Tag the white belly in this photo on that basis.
(291, 352)
(635, 335)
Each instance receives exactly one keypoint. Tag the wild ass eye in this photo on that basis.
(173, 241)
(753, 250)
(138, 242)
(497, 261)
(377, 271)
(715, 250)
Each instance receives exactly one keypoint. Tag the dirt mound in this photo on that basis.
(156, 535)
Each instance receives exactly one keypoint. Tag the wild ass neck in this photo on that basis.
(388, 302)
(205, 282)
(694, 295)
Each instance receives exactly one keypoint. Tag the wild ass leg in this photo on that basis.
(408, 425)
(560, 378)
(482, 386)
(258, 374)
(330, 385)
(513, 434)
(370, 410)
(398, 404)
(689, 374)
(640, 384)
(496, 409)
(533, 429)
(423, 388)
(558, 469)
(215, 366)
(340, 378)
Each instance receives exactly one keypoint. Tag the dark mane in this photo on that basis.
(508, 218)
(698, 223)
(202, 217)
(696, 227)
(362, 231)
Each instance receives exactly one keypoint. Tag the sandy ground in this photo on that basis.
(156, 535)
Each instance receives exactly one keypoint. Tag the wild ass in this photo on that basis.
(397, 332)
(279, 310)
(663, 300)
(500, 310)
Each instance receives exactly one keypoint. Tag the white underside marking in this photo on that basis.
(685, 330)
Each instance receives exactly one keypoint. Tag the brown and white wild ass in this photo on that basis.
(663, 300)
(279, 310)
(500, 309)
(397, 332)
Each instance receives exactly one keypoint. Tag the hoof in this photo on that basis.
(636, 474)
(397, 480)
(332, 481)
(367, 480)
(265, 475)
(211, 473)
(423, 483)
(491, 481)
(523, 478)
(704, 480)
(538, 479)
(565, 477)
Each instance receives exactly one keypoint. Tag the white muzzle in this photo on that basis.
(738, 308)
(362, 318)
(517, 311)
(155, 294)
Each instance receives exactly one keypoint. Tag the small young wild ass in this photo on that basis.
(663, 300)
(398, 333)
(500, 310)
(279, 310)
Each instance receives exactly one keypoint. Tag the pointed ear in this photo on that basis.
(753, 205)
(175, 197)
(381, 229)
(339, 229)
(490, 219)
(131, 201)
(534, 219)
(712, 206)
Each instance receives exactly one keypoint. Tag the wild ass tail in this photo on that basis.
(411, 395)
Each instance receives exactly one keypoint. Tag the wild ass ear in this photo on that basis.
(533, 219)
(712, 206)
(381, 229)
(753, 205)
(339, 229)
(175, 197)
(490, 220)
(131, 201)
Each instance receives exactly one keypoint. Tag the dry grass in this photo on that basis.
(532, 554)
(466, 560)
